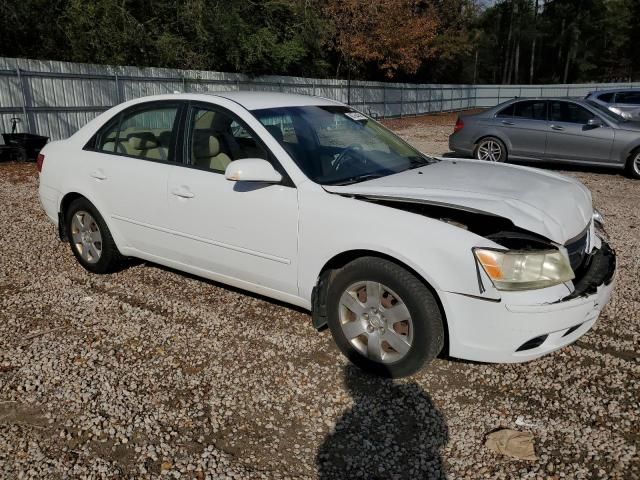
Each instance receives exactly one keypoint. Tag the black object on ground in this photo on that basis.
(21, 146)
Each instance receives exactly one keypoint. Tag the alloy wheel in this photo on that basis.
(376, 322)
(86, 236)
(489, 150)
(636, 164)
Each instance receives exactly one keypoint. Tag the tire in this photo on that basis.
(366, 337)
(633, 164)
(490, 149)
(90, 239)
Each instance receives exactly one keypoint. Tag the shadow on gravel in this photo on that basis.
(393, 431)
(224, 286)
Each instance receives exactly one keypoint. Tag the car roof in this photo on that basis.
(251, 100)
(614, 90)
(521, 99)
(527, 99)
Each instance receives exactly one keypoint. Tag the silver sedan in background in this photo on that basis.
(550, 130)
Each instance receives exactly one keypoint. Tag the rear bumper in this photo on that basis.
(507, 332)
(458, 145)
(49, 198)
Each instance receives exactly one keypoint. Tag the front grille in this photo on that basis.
(577, 249)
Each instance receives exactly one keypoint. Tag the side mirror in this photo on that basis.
(252, 170)
(594, 123)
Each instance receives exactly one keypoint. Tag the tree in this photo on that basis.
(408, 40)
(395, 35)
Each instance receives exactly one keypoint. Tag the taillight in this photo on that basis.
(39, 161)
(459, 125)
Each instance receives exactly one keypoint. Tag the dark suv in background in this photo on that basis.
(625, 103)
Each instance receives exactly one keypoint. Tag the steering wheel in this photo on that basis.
(348, 153)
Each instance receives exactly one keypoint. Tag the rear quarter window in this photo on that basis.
(606, 97)
(506, 112)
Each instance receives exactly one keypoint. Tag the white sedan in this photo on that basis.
(308, 201)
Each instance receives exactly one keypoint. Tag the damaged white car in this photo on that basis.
(308, 201)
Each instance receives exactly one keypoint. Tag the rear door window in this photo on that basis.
(142, 131)
(569, 112)
(531, 109)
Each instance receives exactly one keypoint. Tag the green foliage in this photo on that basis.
(575, 40)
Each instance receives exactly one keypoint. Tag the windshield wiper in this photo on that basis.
(415, 162)
(358, 179)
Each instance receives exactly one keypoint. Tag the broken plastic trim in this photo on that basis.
(601, 267)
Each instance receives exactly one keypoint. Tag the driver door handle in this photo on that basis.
(557, 127)
(182, 192)
(507, 122)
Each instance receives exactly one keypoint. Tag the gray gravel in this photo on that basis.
(148, 372)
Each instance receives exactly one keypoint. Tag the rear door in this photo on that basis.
(524, 125)
(570, 138)
(127, 166)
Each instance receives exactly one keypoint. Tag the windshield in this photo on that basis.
(335, 145)
(606, 112)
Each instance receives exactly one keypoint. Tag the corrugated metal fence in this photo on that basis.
(56, 98)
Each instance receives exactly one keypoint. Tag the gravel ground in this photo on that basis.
(149, 371)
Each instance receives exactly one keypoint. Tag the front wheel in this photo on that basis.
(383, 318)
(491, 149)
(633, 164)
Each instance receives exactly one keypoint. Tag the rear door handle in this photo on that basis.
(557, 127)
(182, 192)
(506, 122)
(98, 174)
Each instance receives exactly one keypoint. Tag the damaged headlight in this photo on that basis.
(524, 270)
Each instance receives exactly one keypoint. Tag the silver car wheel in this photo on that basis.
(489, 150)
(86, 236)
(636, 164)
(376, 322)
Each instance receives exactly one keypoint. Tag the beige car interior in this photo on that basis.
(140, 142)
(206, 152)
(215, 145)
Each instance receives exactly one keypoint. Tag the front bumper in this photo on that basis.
(508, 332)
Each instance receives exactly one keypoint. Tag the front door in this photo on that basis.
(241, 230)
(571, 138)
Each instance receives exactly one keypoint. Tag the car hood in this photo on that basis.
(554, 206)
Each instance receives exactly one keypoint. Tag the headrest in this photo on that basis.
(142, 141)
(164, 139)
(205, 145)
(275, 132)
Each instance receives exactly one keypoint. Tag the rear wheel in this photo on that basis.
(491, 149)
(383, 318)
(90, 239)
(633, 164)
